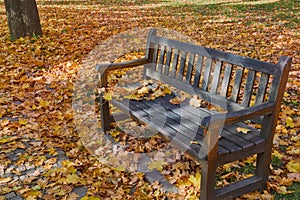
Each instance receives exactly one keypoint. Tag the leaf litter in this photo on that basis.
(37, 77)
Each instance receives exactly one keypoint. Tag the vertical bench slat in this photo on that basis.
(206, 75)
(216, 77)
(261, 91)
(226, 79)
(182, 65)
(248, 88)
(237, 84)
(190, 68)
(174, 63)
(198, 69)
(168, 61)
(154, 59)
(161, 59)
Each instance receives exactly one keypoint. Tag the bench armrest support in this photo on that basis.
(240, 115)
(103, 67)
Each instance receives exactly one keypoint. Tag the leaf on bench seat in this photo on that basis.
(243, 130)
(195, 101)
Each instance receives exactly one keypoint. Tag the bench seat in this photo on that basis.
(182, 127)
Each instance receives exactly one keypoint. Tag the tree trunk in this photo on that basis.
(23, 18)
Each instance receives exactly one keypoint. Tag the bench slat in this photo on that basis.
(253, 136)
(161, 60)
(261, 91)
(155, 53)
(248, 88)
(237, 84)
(182, 65)
(190, 68)
(216, 77)
(180, 128)
(206, 76)
(174, 63)
(198, 70)
(226, 80)
(168, 61)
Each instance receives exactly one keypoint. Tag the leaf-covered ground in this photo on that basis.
(41, 155)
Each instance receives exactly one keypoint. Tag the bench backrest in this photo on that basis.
(225, 79)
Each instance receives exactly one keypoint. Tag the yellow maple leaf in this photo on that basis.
(108, 96)
(243, 130)
(23, 121)
(73, 179)
(277, 154)
(143, 90)
(196, 180)
(44, 103)
(133, 97)
(289, 122)
(293, 166)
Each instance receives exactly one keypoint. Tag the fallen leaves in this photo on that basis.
(36, 90)
(293, 165)
(243, 130)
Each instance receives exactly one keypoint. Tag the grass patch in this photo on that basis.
(295, 188)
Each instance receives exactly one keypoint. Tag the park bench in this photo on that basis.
(249, 90)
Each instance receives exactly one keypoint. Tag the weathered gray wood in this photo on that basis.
(237, 84)
(182, 65)
(198, 70)
(214, 99)
(216, 77)
(149, 46)
(160, 64)
(248, 88)
(226, 80)
(256, 65)
(242, 114)
(104, 67)
(168, 61)
(262, 87)
(174, 63)
(236, 189)
(104, 105)
(279, 80)
(155, 55)
(190, 68)
(206, 76)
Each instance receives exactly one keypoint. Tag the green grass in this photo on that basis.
(295, 188)
(285, 12)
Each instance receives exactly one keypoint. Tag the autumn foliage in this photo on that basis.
(37, 77)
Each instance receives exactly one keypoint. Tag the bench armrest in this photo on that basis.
(101, 68)
(240, 115)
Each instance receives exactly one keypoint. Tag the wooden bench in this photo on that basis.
(250, 90)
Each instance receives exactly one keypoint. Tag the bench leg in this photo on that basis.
(209, 168)
(208, 179)
(263, 167)
(105, 116)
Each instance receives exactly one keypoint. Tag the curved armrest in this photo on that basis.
(240, 115)
(101, 68)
